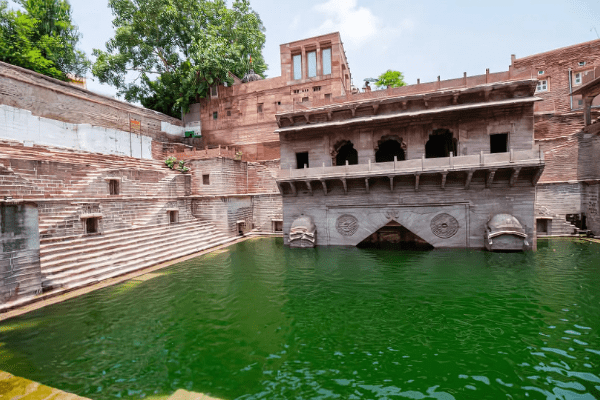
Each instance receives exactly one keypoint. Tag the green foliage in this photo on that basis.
(179, 49)
(42, 38)
(172, 163)
(390, 79)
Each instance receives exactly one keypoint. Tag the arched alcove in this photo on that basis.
(388, 148)
(394, 236)
(344, 151)
(441, 142)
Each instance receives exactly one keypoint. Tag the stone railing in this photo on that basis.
(417, 166)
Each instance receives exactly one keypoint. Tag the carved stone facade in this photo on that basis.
(443, 175)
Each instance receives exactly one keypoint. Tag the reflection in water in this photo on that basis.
(262, 321)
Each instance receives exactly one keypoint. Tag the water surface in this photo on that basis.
(262, 321)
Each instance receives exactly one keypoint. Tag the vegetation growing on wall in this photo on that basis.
(178, 49)
(42, 38)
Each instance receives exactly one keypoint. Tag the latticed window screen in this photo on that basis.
(312, 64)
(326, 61)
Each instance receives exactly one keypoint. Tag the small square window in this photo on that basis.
(214, 92)
(91, 225)
(328, 96)
(302, 160)
(542, 86)
(316, 88)
(215, 115)
(582, 63)
(278, 103)
(206, 179)
(259, 108)
(304, 99)
(579, 102)
(173, 216)
(113, 187)
(541, 72)
(499, 143)
(229, 113)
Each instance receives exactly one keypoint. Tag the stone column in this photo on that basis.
(319, 63)
(304, 64)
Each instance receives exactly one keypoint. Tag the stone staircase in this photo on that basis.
(82, 261)
(559, 226)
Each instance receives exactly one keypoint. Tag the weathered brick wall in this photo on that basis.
(555, 201)
(257, 211)
(591, 206)
(262, 175)
(266, 209)
(227, 176)
(50, 98)
(20, 271)
(39, 172)
(557, 66)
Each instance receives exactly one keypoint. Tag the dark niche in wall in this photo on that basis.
(388, 148)
(345, 151)
(441, 142)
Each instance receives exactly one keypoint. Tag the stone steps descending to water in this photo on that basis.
(83, 261)
(13, 388)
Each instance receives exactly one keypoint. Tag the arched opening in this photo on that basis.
(390, 148)
(345, 151)
(441, 143)
(394, 236)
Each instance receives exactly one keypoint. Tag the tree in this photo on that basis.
(179, 49)
(390, 79)
(43, 38)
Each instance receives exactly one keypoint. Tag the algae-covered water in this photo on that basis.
(262, 321)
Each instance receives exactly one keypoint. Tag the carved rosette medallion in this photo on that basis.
(346, 225)
(444, 226)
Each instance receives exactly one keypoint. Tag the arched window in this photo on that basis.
(441, 143)
(390, 147)
(345, 151)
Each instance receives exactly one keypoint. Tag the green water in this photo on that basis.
(262, 321)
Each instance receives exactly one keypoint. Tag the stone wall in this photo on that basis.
(50, 98)
(415, 210)
(591, 206)
(20, 271)
(256, 211)
(22, 125)
(559, 67)
(224, 176)
(472, 132)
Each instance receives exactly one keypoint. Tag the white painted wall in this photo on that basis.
(21, 125)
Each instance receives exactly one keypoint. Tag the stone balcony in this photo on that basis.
(516, 162)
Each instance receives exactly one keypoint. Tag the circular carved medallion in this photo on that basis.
(444, 226)
(346, 225)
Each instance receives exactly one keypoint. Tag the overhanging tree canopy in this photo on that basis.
(178, 49)
(43, 38)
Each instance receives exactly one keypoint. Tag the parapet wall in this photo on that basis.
(56, 101)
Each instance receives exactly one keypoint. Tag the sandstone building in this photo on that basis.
(85, 193)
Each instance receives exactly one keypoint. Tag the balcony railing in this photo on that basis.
(417, 166)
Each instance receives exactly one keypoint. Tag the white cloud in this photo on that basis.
(357, 25)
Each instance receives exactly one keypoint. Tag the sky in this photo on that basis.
(420, 38)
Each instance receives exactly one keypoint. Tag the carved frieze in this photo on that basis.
(346, 225)
(444, 226)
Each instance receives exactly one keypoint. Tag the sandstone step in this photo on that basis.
(46, 245)
(89, 255)
(143, 259)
